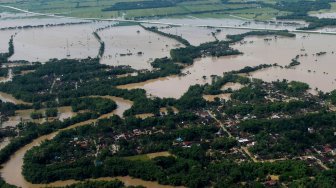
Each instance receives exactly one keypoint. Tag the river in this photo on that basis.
(12, 172)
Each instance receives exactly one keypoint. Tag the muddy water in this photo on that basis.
(231, 85)
(122, 104)
(199, 35)
(166, 87)
(258, 51)
(195, 36)
(12, 172)
(24, 115)
(325, 15)
(4, 39)
(42, 44)
(26, 19)
(131, 40)
(233, 22)
(211, 98)
(4, 97)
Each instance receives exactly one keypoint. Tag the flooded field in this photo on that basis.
(134, 46)
(195, 36)
(65, 112)
(211, 98)
(22, 19)
(4, 97)
(235, 22)
(24, 115)
(325, 15)
(4, 39)
(42, 44)
(317, 70)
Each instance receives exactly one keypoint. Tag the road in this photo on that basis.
(220, 124)
(165, 23)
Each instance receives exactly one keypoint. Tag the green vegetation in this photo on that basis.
(102, 45)
(51, 112)
(98, 105)
(142, 5)
(177, 38)
(235, 143)
(5, 56)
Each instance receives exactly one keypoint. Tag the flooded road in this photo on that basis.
(12, 172)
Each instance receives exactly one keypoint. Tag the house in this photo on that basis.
(243, 140)
(327, 149)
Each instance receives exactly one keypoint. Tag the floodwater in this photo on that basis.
(234, 22)
(325, 15)
(195, 36)
(12, 172)
(122, 45)
(4, 39)
(20, 20)
(232, 85)
(122, 106)
(42, 44)
(199, 35)
(24, 115)
(4, 97)
(211, 98)
(317, 71)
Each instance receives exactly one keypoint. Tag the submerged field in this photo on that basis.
(209, 98)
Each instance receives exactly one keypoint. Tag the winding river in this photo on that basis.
(12, 169)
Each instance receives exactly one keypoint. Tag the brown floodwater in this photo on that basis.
(232, 85)
(24, 115)
(4, 97)
(317, 71)
(234, 22)
(23, 19)
(4, 39)
(12, 172)
(211, 98)
(122, 104)
(42, 44)
(132, 40)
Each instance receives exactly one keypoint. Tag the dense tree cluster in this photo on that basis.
(176, 37)
(142, 5)
(5, 56)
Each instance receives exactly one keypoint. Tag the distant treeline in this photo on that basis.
(142, 5)
(176, 37)
(42, 26)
